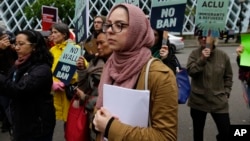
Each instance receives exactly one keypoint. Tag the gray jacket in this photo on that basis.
(211, 81)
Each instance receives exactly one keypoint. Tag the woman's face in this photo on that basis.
(156, 34)
(57, 36)
(103, 46)
(23, 47)
(119, 20)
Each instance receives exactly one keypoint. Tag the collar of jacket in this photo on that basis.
(61, 45)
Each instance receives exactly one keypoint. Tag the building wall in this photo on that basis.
(12, 15)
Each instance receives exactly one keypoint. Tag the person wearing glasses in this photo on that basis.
(164, 51)
(130, 36)
(98, 22)
(211, 83)
(28, 86)
(97, 28)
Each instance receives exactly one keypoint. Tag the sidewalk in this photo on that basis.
(189, 43)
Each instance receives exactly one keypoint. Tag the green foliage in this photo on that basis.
(65, 8)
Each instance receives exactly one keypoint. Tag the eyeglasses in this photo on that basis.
(116, 27)
(21, 44)
(98, 22)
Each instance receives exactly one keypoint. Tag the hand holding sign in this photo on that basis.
(58, 86)
(80, 63)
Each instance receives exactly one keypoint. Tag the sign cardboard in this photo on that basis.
(91, 46)
(134, 2)
(168, 15)
(245, 56)
(211, 16)
(81, 19)
(66, 65)
(49, 17)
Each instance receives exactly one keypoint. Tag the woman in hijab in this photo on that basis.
(130, 36)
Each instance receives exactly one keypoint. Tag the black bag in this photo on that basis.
(70, 90)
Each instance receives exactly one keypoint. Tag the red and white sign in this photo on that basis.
(49, 16)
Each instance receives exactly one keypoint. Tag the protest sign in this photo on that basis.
(134, 2)
(66, 65)
(49, 17)
(245, 56)
(168, 15)
(81, 19)
(211, 16)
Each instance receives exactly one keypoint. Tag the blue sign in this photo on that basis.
(64, 72)
(168, 15)
(81, 19)
(66, 66)
(81, 28)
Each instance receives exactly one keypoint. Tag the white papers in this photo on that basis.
(129, 105)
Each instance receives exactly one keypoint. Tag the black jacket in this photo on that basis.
(32, 109)
(172, 62)
(7, 59)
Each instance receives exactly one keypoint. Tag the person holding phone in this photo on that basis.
(211, 83)
(162, 50)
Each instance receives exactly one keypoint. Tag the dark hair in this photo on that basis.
(197, 31)
(101, 32)
(160, 34)
(41, 53)
(62, 28)
(159, 44)
(102, 17)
